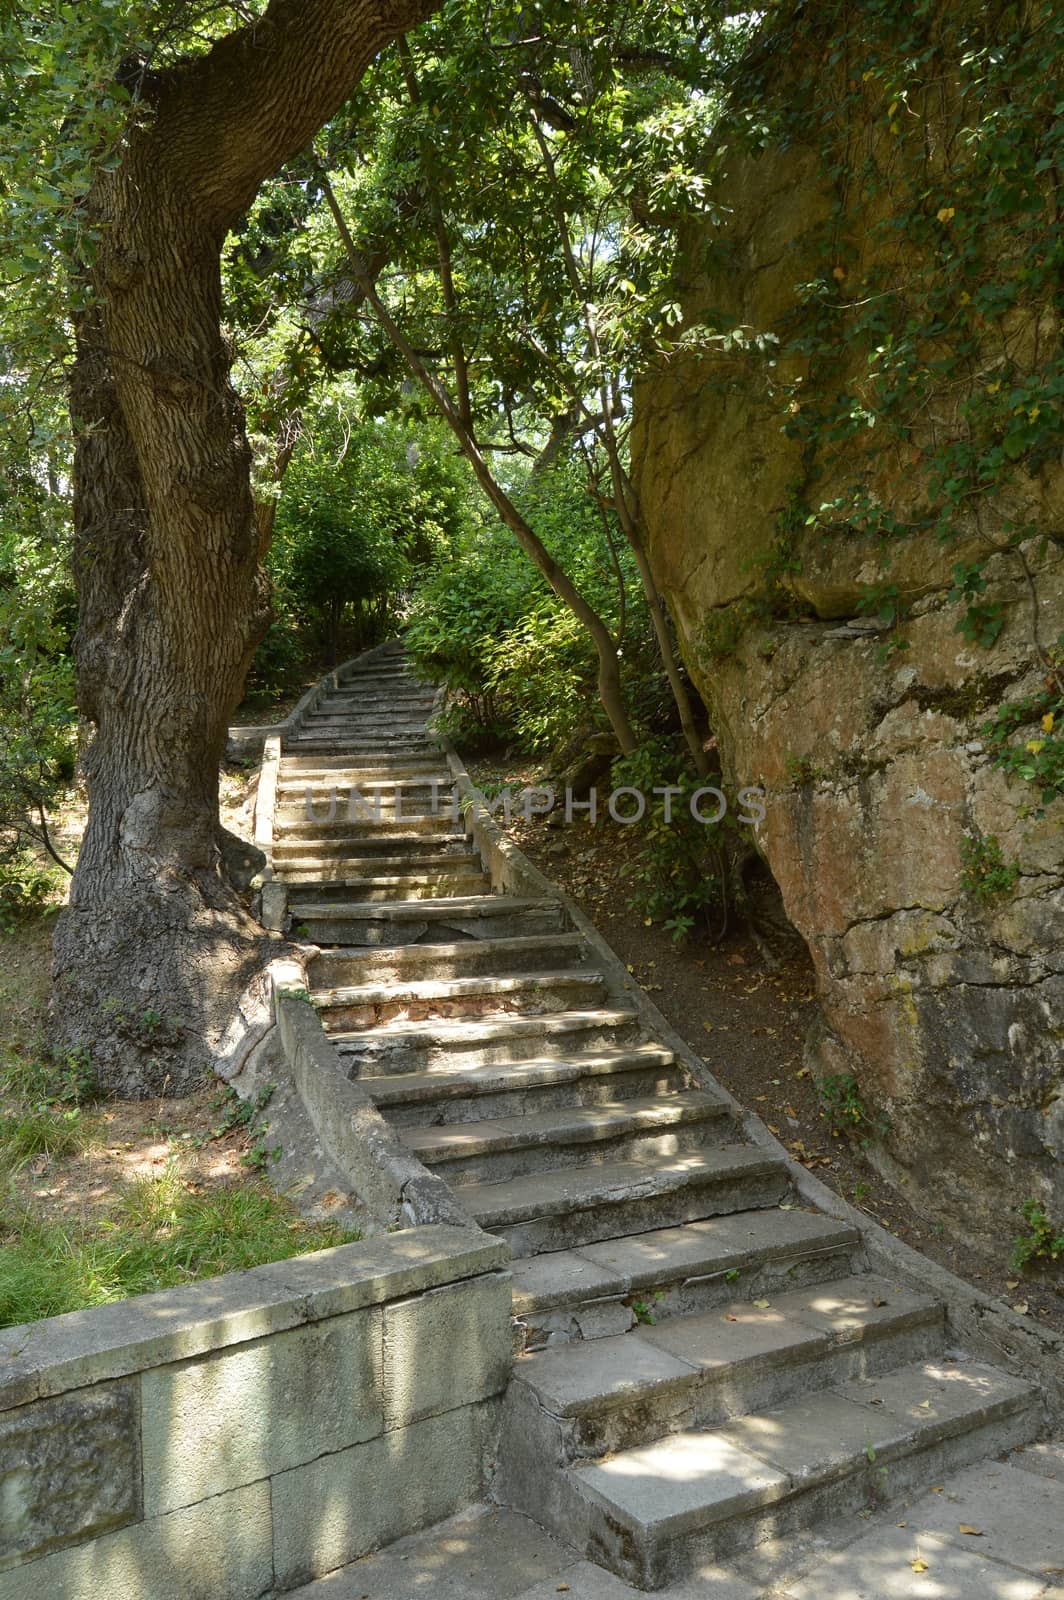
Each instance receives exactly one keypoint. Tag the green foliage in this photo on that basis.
(364, 506)
(643, 1310)
(37, 713)
(49, 1083)
(801, 770)
(686, 875)
(160, 1234)
(514, 660)
(1037, 756)
(924, 349)
(845, 1111)
(1040, 1243)
(41, 1130)
(985, 874)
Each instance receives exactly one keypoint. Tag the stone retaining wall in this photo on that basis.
(238, 1437)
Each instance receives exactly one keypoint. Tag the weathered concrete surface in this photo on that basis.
(220, 1547)
(488, 1554)
(233, 1409)
(69, 1469)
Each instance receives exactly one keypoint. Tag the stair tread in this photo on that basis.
(421, 867)
(446, 1082)
(469, 1030)
(587, 1376)
(521, 943)
(846, 1310)
(576, 1124)
(690, 1480)
(486, 905)
(553, 1193)
(693, 1250)
(444, 988)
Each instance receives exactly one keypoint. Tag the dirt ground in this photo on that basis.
(749, 1025)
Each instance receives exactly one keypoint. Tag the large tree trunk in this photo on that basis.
(154, 946)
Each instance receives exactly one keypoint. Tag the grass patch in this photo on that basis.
(160, 1233)
(42, 1131)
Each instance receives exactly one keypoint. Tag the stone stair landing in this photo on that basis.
(704, 1363)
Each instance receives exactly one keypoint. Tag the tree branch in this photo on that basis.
(223, 122)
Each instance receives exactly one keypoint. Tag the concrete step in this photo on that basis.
(393, 687)
(307, 853)
(421, 921)
(367, 723)
(654, 1514)
(297, 825)
(294, 791)
(470, 1094)
(577, 1294)
(340, 768)
(520, 993)
(542, 1141)
(704, 1370)
(352, 747)
(468, 958)
(419, 1046)
(331, 878)
(430, 885)
(563, 1210)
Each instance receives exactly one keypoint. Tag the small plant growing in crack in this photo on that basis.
(643, 1310)
(845, 1111)
(877, 1478)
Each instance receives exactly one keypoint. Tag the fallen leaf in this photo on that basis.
(918, 1564)
(925, 1405)
(730, 1317)
(964, 1527)
(708, 1026)
(1012, 1283)
(1022, 1307)
(937, 1488)
(762, 1305)
(563, 1588)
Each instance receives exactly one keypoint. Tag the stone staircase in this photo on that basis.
(702, 1362)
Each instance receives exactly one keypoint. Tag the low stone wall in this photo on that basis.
(238, 1437)
(391, 1182)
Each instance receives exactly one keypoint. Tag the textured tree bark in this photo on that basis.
(154, 944)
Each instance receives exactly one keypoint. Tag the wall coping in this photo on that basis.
(58, 1354)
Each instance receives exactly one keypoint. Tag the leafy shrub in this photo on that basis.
(1042, 1241)
(985, 874)
(363, 507)
(516, 663)
(844, 1110)
(687, 875)
(37, 714)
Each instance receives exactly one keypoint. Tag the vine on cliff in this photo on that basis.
(931, 320)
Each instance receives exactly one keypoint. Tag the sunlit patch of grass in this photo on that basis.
(160, 1233)
(42, 1131)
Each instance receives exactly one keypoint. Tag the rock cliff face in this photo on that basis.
(947, 1006)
